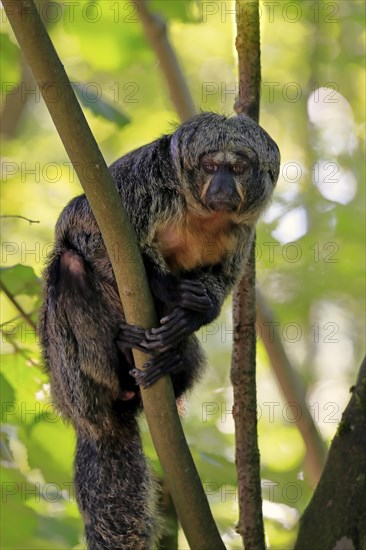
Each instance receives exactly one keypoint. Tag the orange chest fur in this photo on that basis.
(198, 241)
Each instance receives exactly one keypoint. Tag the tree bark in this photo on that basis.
(157, 33)
(293, 390)
(243, 371)
(335, 519)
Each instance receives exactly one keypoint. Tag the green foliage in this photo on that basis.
(310, 248)
(9, 61)
(100, 107)
(20, 280)
(187, 12)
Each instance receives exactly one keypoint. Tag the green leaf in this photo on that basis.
(184, 10)
(9, 74)
(20, 279)
(14, 509)
(44, 441)
(26, 381)
(100, 107)
(7, 394)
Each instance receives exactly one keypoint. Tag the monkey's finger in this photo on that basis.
(196, 287)
(130, 330)
(156, 345)
(171, 337)
(154, 377)
(196, 303)
(129, 336)
(157, 367)
(177, 314)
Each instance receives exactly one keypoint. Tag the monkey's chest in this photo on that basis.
(195, 243)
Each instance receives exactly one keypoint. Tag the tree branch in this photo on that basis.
(243, 371)
(18, 307)
(157, 34)
(20, 218)
(336, 515)
(292, 389)
(159, 403)
(16, 100)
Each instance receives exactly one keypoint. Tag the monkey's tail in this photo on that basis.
(115, 491)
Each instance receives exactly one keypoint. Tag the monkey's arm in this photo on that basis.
(196, 301)
(197, 297)
(193, 306)
(191, 301)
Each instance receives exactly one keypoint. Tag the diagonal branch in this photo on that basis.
(159, 403)
(18, 307)
(157, 34)
(292, 389)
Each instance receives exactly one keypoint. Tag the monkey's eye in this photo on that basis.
(239, 168)
(210, 167)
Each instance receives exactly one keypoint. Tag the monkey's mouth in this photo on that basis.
(221, 202)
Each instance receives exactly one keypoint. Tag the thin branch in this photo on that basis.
(157, 34)
(159, 403)
(15, 102)
(248, 48)
(10, 338)
(18, 307)
(293, 390)
(16, 99)
(20, 218)
(243, 371)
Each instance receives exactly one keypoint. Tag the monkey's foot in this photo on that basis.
(174, 328)
(193, 295)
(164, 363)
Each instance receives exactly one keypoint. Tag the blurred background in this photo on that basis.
(310, 245)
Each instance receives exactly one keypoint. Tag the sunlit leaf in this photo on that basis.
(9, 74)
(184, 10)
(20, 279)
(101, 107)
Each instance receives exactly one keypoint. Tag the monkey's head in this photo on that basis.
(225, 164)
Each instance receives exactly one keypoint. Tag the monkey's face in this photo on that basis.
(227, 165)
(223, 178)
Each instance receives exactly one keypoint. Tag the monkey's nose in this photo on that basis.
(221, 201)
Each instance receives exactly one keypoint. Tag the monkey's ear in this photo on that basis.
(267, 180)
(273, 176)
(183, 150)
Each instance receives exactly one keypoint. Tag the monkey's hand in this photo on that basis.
(167, 362)
(194, 309)
(174, 328)
(192, 294)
